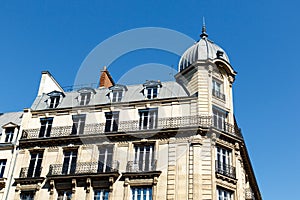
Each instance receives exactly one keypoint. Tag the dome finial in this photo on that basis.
(203, 34)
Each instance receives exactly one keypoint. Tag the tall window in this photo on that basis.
(46, 125)
(148, 118)
(112, 121)
(105, 158)
(9, 134)
(224, 194)
(35, 165)
(141, 193)
(144, 157)
(64, 195)
(2, 167)
(217, 90)
(70, 159)
(85, 98)
(78, 124)
(101, 194)
(219, 118)
(224, 162)
(27, 195)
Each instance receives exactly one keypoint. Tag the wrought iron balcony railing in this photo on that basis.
(29, 172)
(133, 125)
(141, 166)
(83, 168)
(218, 94)
(225, 169)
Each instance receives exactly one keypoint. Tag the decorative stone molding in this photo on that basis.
(74, 184)
(52, 186)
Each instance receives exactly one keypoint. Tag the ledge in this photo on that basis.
(141, 175)
(32, 180)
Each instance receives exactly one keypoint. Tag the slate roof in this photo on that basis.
(14, 117)
(134, 93)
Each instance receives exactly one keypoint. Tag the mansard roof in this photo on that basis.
(10, 118)
(133, 93)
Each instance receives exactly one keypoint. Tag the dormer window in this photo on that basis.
(9, 134)
(9, 131)
(54, 98)
(117, 92)
(85, 96)
(151, 89)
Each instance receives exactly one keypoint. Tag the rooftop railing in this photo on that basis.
(134, 125)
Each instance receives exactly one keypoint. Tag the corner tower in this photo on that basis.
(205, 71)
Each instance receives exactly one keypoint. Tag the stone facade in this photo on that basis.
(157, 140)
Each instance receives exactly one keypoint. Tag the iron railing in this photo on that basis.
(141, 166)
(225, 169)
(218, 94)
(83, 168)
(29, 172)
(134, 125)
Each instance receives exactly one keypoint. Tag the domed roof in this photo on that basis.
(202, 50)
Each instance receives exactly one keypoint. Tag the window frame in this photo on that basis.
(148, 118)
(105, 158)
(219, 118)
(137, 193)
(65, 194)
(144, 155)
(101, 194)
(32, 193)
(54, 99)
(69, 161)
(9, 135)
(112, 121)
(46, 126)
(35, 164)
(218, 89)
(78, 121)
(2, 167)
(151, 89)
(224, 194)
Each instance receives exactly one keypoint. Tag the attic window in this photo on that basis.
(85, 96)
(151, 89)
(117, 92)
(54, 98)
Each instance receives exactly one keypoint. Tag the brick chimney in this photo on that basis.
(105, 79)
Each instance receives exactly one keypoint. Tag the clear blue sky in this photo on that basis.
(260, 37)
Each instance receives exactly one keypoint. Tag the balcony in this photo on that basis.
(141, 166)
(218, 94)
(134, 125)
(225, 170)
(83, 168)
(27, 172)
